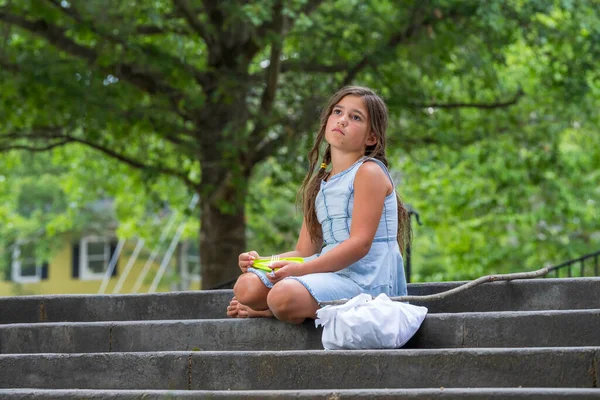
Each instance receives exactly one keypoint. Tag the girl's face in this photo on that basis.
(348, 127)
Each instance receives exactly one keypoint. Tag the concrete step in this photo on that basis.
(518, 295)
(523, 295)
(413, 394)
(127, 307)
(461, 330)
(302, 370)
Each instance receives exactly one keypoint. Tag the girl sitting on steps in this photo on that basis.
(354, 224)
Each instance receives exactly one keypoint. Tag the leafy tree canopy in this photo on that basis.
(491, 106)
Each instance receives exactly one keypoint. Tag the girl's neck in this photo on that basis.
(341, 162)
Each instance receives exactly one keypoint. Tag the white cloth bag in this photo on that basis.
(366, 323)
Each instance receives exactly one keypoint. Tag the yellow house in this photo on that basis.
(95, 264)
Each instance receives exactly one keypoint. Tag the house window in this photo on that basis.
(94, 254)
(25, 267)
(191, 260)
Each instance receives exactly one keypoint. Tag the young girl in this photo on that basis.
(354, 224)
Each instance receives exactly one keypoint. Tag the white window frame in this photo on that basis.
(17, 267)
(85, 273)
(186, 257)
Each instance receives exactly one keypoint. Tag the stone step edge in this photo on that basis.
(318, 353)
(424, 393)
(300, 370)
(437, 316)
(464, 330)
(582, 293)
(442, 285)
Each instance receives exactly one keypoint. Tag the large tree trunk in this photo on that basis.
(222, 234)
(225, 175)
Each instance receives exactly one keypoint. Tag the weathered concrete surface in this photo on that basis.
(149, 336)
(562, 328)
(557, 367)
(413, 394)
(96, 371)
(523, 295)
(64, 337)
(463, 330)
(302, 370)
(489, 342)
(130, 307)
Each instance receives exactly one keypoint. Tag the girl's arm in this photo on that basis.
(305, 247)
(371, 186)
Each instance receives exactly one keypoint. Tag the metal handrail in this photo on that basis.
(581, 260)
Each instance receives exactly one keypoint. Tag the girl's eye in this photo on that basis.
(337, 111)
(356, 117)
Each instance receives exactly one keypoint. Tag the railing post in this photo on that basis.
(411, 212)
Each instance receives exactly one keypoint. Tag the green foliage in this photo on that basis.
(273, 219)
(498, 207)
(493, 117)
(52, 196)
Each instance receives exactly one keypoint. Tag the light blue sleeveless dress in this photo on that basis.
(380, 271)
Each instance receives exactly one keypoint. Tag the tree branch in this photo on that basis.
(57, 36)
(33, 149)
(280, 24)
(315, 67)
(53, 34)
(156, 30)
(308, 66)
(501, 104)
(310, 6)
(396, 39)
(75, 15)
(307, 9)
(461, 288)
(268, 148)
(9, 67)
(172, 133)
(70, 11)
(57, 134)
(268, 96)
(132, 162)
(292, 130)
(183, 8)
(408, 142)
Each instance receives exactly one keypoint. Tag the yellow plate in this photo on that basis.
(263, 263)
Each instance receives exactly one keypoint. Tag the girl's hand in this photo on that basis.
(284, 269)
(245, 260)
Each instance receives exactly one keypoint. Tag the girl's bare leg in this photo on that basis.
(291, 302)
(250, 298)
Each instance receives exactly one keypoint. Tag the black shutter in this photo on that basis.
(75, 262)
(113, 247)
(8, 267)
(45, 270)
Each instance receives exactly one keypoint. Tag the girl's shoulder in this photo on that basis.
(374, 171)
(373, 176)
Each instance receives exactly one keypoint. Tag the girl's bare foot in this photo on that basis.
(238, 310)
(232, 308)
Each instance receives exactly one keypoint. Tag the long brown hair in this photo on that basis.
(378, 118)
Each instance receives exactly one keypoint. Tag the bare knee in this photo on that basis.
(250, 291)
(290, 301)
